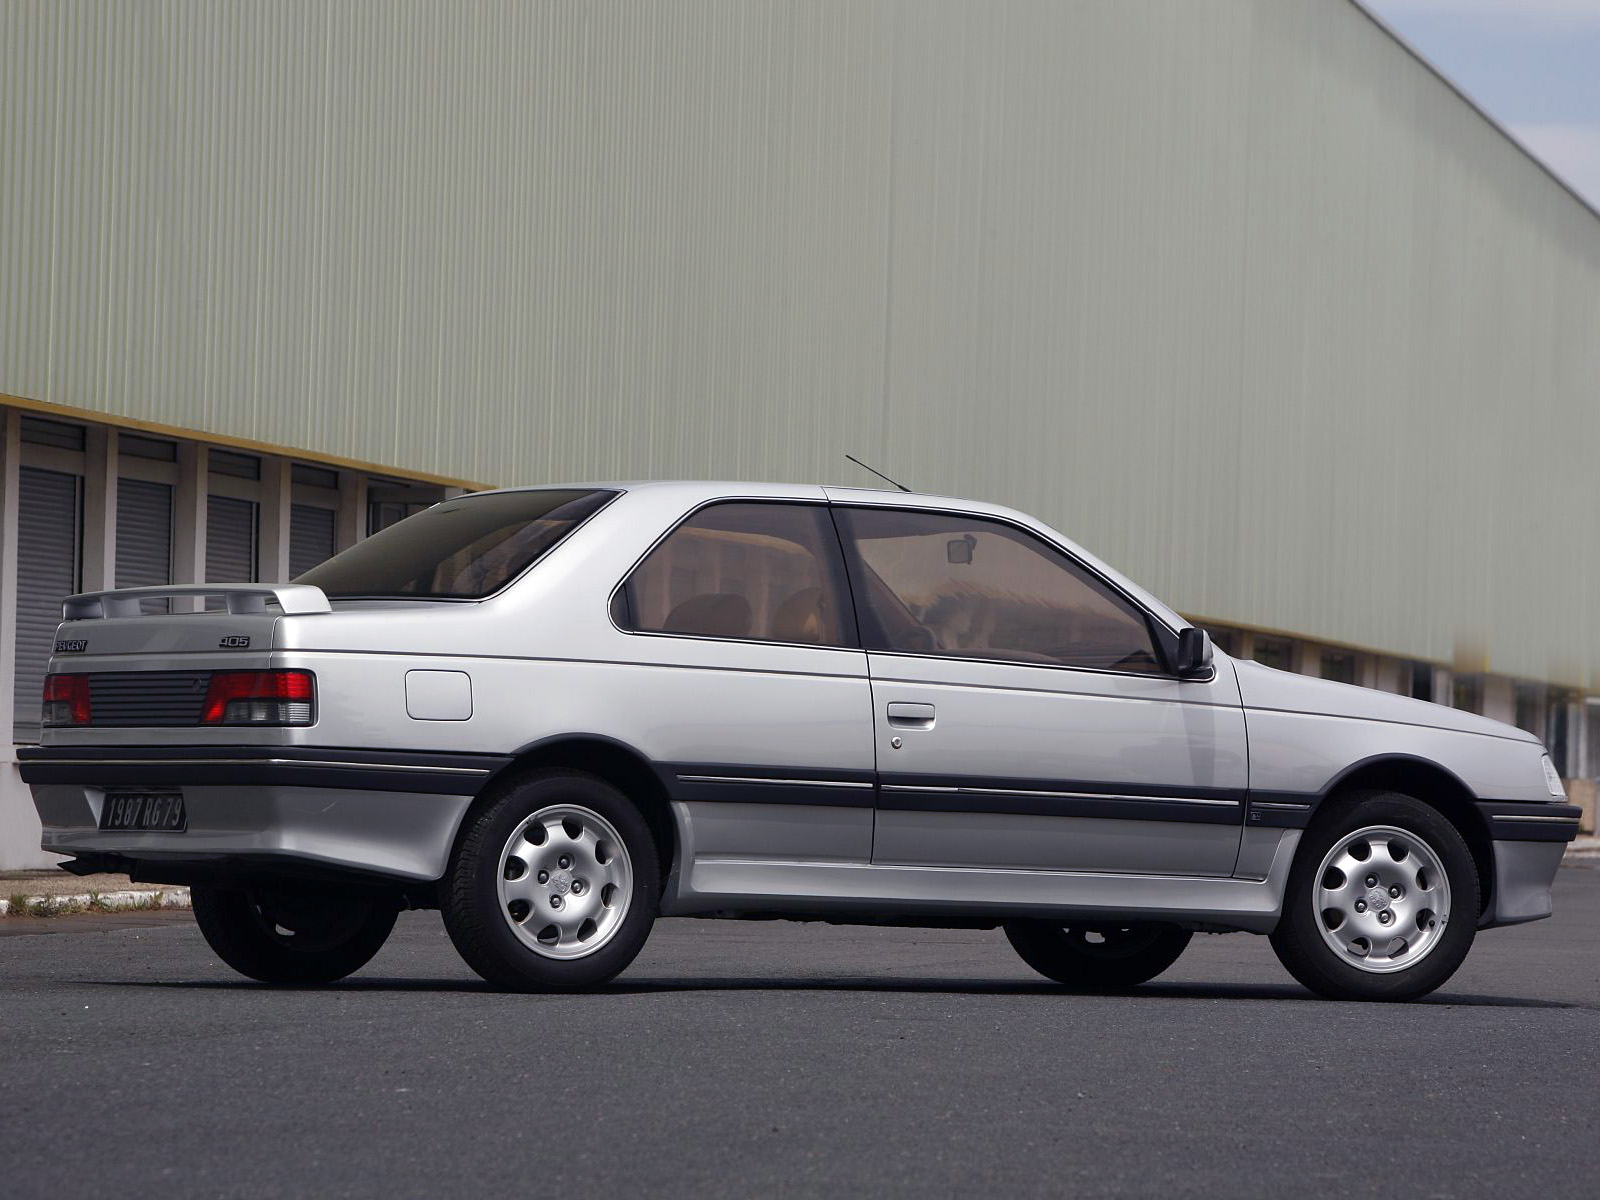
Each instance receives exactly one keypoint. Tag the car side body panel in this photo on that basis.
(1058, 769)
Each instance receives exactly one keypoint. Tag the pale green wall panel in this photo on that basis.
(1238, 293)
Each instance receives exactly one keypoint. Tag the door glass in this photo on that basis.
(937, 583)
(759, 572)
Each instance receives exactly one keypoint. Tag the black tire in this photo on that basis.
(282, 937)
(482, 929)
(1298, 939)
(1097, 957)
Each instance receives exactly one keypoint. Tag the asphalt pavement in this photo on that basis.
(741, 1058)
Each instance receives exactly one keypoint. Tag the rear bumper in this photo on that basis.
(261, 812)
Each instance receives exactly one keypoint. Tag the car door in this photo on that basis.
(1023, 711)
(761, 720)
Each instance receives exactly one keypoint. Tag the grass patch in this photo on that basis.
(145, 902)
(96, 902)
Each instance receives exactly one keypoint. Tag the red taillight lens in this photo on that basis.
(66, 700)
(260, 698)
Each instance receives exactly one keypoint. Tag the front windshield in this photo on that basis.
(462, 549)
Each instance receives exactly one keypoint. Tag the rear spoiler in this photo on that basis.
(292, 598)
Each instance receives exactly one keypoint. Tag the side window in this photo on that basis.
(935, 583)
(768, 572)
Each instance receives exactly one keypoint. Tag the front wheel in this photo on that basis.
(1097, 958)
(289, 937)
(554, 884)
(1382, 901)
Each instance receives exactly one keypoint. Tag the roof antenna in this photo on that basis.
(879, 474)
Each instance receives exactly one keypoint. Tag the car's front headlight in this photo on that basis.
(1552, 778)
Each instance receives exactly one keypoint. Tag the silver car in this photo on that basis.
(556, 713)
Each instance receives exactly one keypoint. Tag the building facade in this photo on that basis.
(1243, 296)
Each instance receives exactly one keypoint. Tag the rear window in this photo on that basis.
(462, 549)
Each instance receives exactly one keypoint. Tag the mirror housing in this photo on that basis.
(1194, 653)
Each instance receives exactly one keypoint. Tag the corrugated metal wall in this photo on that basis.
(1237, 293)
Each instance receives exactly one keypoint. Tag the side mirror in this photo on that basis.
(1194, 653)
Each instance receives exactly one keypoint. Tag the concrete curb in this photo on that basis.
(56, 906)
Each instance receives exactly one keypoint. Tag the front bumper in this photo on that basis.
(261, 812)
(1529, 838)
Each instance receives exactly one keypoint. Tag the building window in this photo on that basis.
(1274, 652)
(49, 567)
(135, 446)
(383, 513)
(1529, 710)
(1226, 640)
(37, 431)
(240, 466)
(1339, 666)
(309, 476)
(1421, 681)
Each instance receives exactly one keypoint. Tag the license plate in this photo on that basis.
(160, 812)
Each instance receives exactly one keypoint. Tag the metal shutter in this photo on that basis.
(49, 535)
(230, 540)
(311, 537)
(144, 534)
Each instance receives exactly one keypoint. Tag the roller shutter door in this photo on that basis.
(230, 540)
(49, 536)
(311, 537)
(144, 536)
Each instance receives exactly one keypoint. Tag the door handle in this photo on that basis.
(905, 715)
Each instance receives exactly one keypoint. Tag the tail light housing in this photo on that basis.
(260, 698)
(66, 700)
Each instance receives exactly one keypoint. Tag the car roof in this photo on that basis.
(713, 489)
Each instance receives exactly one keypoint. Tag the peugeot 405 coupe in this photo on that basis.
(557, 713)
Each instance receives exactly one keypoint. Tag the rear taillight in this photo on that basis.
(66, 700)
(260, 698)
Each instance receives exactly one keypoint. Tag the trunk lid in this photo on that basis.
(151, 669)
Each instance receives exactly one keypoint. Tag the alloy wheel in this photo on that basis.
(565, 881)
(1382, 899)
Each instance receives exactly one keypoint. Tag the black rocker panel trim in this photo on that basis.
(971, 794)
(259, 766)
(714, 782)
(732, 784)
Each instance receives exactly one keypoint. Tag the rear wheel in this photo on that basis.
(554, 884)
(287, 937)
(1097, 958)
(1382, 902)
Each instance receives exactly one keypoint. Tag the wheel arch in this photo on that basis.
(619, 764)
(1436, 786)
